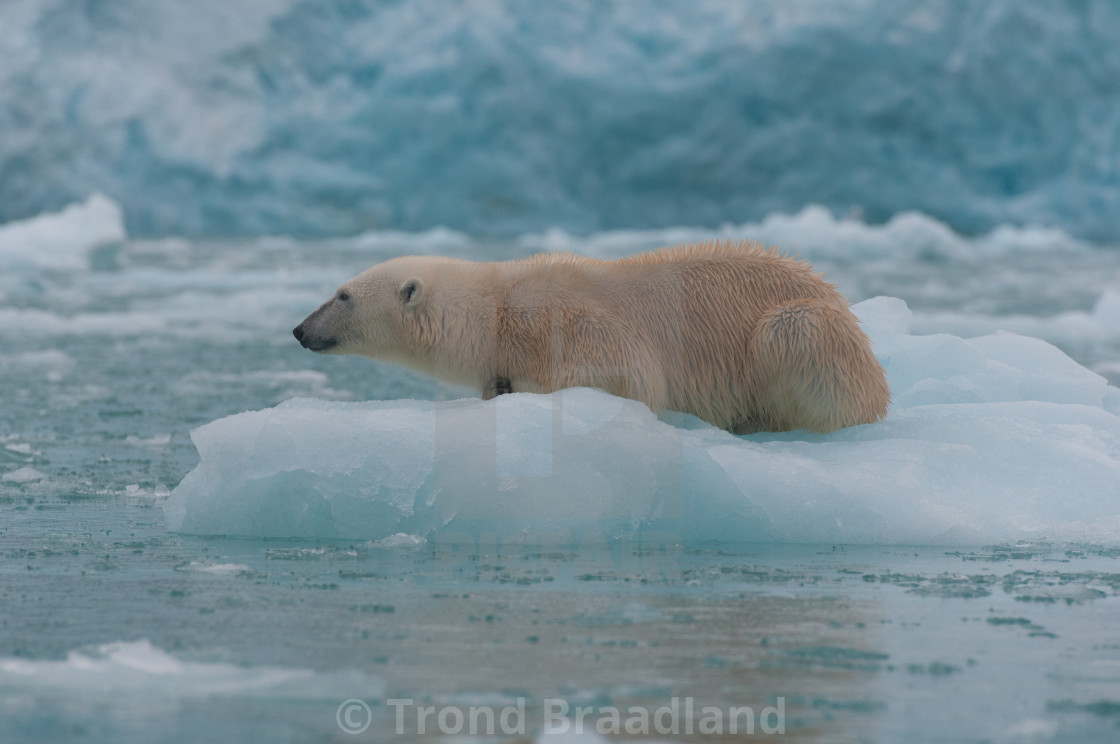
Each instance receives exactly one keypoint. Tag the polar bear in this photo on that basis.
(737, 334)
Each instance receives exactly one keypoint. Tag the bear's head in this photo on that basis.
(381, 313)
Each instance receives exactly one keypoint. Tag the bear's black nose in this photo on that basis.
(298, 332)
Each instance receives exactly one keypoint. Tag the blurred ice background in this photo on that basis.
(180, 183)
(497, 117)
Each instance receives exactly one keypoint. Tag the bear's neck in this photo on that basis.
(461, 330)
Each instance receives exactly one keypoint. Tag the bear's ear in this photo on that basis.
(410, 292)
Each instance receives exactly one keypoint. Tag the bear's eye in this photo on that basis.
(408, 289)
(344, 296)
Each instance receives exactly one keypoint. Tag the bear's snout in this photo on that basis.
(313, 338)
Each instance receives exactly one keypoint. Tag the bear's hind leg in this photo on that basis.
(752, 425)
(812, 368)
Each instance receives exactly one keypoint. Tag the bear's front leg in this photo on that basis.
(497, 386)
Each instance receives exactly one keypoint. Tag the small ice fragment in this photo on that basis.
(159, 440)
(399, 540)
(227, 568)
(24, 475)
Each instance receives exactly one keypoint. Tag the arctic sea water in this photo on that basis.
(211, 534)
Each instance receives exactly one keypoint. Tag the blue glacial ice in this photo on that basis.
(243, 117)
(995, 438)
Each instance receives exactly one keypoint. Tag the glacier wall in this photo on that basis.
(327, 117)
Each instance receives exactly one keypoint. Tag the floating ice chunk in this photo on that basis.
(1002, 367)
(282, 383)
(945, 473)
(52, 361)
(133, 491)
(32, 323)
(135, 675)
(1070, 329)
(225, 569)
(400, 540)
(374, 469)
(570, 736)
(244, 315)
(61, 240)
(995, 438)
(156, 441)
(23, 475)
